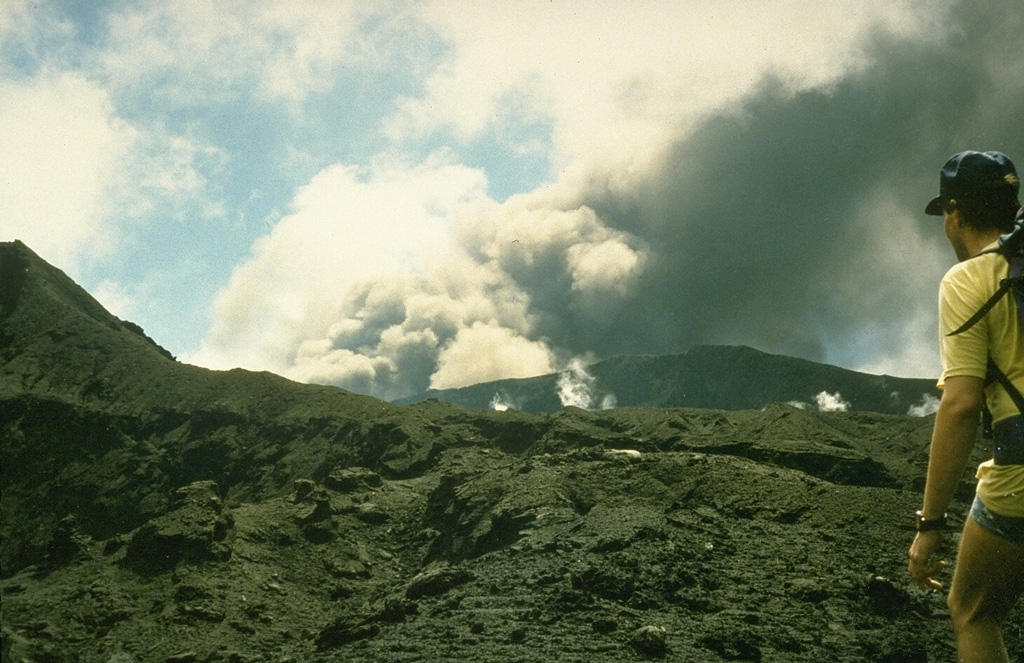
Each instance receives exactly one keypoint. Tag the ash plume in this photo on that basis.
(790, 220)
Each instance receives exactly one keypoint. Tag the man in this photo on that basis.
(978, 198)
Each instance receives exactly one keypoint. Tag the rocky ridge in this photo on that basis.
(707, 377)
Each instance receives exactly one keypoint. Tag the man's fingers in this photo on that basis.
(927, 582)
(923, 573)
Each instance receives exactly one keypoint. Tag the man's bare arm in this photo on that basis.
(956, 427)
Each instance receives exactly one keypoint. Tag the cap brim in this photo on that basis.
(934, 208)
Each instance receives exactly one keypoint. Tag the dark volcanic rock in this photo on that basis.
(343, 632)
(650, 641)
(437, 581)
(153, 512)
(192, 530)
(350, 479)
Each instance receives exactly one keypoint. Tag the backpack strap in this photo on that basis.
(1005, 285)
(1015, 283)
(996, 375)
(1011, 246)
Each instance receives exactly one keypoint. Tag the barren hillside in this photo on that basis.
(155, 511)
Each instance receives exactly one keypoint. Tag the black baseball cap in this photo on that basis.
(972, 174)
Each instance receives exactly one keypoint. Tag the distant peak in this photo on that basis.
(43, 298)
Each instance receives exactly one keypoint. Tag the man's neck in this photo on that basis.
(975, 241)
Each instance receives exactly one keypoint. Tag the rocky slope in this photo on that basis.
(711, 377)
(154, 511)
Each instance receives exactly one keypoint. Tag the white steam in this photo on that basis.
(502, 402)
(578, 388)
(928, 405)
(825, 402)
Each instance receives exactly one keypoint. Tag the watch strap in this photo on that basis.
(921, 524)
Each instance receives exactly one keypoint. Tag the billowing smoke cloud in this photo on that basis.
(475, 312)
(480, 352)
(792, 221)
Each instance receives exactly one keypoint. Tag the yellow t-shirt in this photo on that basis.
(966, 286)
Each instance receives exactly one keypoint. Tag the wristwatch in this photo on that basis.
(922, 525)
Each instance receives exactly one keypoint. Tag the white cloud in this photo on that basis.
(527, 231)
(70, 148)
(284, 51)
(365, 282)
(115, 298)
(381, 270)
(317, 36)
(33, 30)
(13, 17)
(314, 275)
(316, 362)
(619, 80)
(84, 178)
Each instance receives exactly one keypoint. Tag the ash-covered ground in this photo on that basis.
(152, 511)
(685, 545)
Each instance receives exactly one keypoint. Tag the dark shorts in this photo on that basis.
(1007, 527)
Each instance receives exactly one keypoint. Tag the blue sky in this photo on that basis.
(390, 196)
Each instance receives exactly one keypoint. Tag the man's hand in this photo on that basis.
(922, 567)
